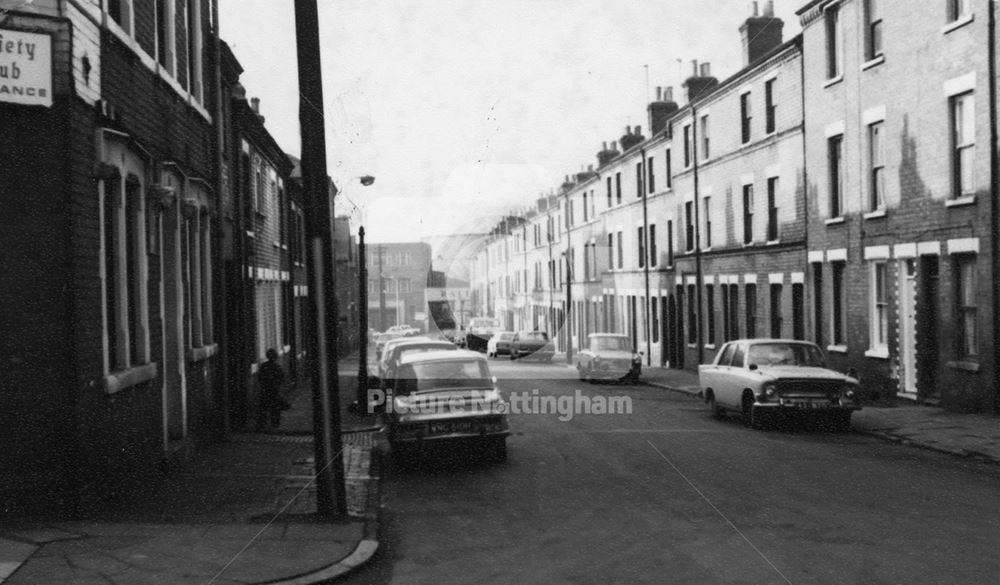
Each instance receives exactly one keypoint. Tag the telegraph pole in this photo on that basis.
(321, 332)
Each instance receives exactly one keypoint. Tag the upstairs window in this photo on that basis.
(873, 29)
(618, 187)
(120, 11)
(638, 179)
(670, 242)
(963, 144)
(770, 106)
(611, 251)
(747, 214)
(586, 208)
(876, 167)
(704, 137)
(669, 176)
(608, 183)
(651, 176)
(165, 34)
(707, 203)
(745, 117)
(687, 146)
(641, 241)
(772, 209)
(652, 244)
(835, 146)
(959, 10)
(621, 254)
(689, 226)
(834, 66)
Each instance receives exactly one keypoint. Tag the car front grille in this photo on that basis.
(809, 388)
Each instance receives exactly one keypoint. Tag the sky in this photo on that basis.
(464, 110)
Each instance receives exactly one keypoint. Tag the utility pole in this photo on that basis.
(381, 292)
(362, 395)
(321, 337)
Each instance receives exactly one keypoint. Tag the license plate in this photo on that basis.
(459, 426)
(807, 405)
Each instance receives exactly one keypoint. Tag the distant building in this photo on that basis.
(397, 278)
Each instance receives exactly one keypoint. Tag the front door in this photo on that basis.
(908, 327)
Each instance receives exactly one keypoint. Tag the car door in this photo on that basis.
(730, 392)
(716, 374)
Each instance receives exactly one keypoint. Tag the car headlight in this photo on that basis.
(769, 391)
(849, 391)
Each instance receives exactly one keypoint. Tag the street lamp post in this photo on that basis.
(361, 398)
(568, 325)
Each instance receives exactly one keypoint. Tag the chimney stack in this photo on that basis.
(607, 153)
(661, 110)
(761, 34)
(630, 139)
(700, 82)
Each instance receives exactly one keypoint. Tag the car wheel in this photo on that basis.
(753, 416)
(713, 405)
(513, 355)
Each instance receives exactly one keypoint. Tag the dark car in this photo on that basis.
(534, 344)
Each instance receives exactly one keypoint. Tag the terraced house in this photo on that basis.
(840, 187)
(109, 226)
(900, 116)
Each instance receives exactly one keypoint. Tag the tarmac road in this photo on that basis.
(669, 494)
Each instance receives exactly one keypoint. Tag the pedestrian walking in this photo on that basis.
(271, 377)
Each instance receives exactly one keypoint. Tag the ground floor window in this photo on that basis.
(966, 285)
(710, 313)
(751, 295)
(838, 316)
(776, 319)
(692, 314)
(878, 326)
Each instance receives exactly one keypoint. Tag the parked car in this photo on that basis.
(609, 356)
(760, 378)
(405, 346)
(387, 346)
(446, 396)
(499, 344)
(481, 329)
(533, 344)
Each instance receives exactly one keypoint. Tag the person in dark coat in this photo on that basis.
(271, 378)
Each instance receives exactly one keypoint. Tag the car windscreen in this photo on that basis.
(443, 375)
(785, 354)
(505, 337)
(610, 344)
(423, 349)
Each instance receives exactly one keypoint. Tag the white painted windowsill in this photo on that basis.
(836, 348)
(879, 353)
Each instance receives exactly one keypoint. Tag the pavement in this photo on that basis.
(240, 511)
(968, 435)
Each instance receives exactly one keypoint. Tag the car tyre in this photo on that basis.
(713, 405)
(753, 416)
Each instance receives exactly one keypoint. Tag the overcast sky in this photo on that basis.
(463, 109)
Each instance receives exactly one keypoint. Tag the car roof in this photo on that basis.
(608, 335)
(758, 340)
(443, 355)
(410, 342)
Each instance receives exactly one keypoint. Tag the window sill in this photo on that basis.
(833, 81)
(877, 214)
(709, 346)
(879, 353)
(692, 346)
(836, 348)
(965, 366)
(251, 234)
(835, 220)
(749, 244)
(122, 379)
(197, 354)
(873, 62)
(957, 24)
(961, 201)
(773, 242)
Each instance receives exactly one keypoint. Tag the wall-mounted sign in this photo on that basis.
(25, 68)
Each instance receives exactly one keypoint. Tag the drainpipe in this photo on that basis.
(218, 260)
(994, 193)
(699, 277)
(645, 247)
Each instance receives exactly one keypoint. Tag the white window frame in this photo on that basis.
(878, 309)
(876, 166)
(963, 156)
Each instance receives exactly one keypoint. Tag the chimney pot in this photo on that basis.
(604, 145)
(614, 145)
(769, 8)
(255, 105)
(638, 130)
(668, 94)
(706, 69)
(659, 93)
(754, 9)
(590, 168)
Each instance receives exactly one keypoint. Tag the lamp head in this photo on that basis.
(366, 180)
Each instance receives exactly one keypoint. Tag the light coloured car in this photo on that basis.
(761, 378)
(446, 396)
(386, 349)
(405, 346)
(480, 330)
(499, 344)
(609, 356)
(532, 344)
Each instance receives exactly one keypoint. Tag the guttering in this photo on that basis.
(645, 247)
(699, 276)
(994, 204)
